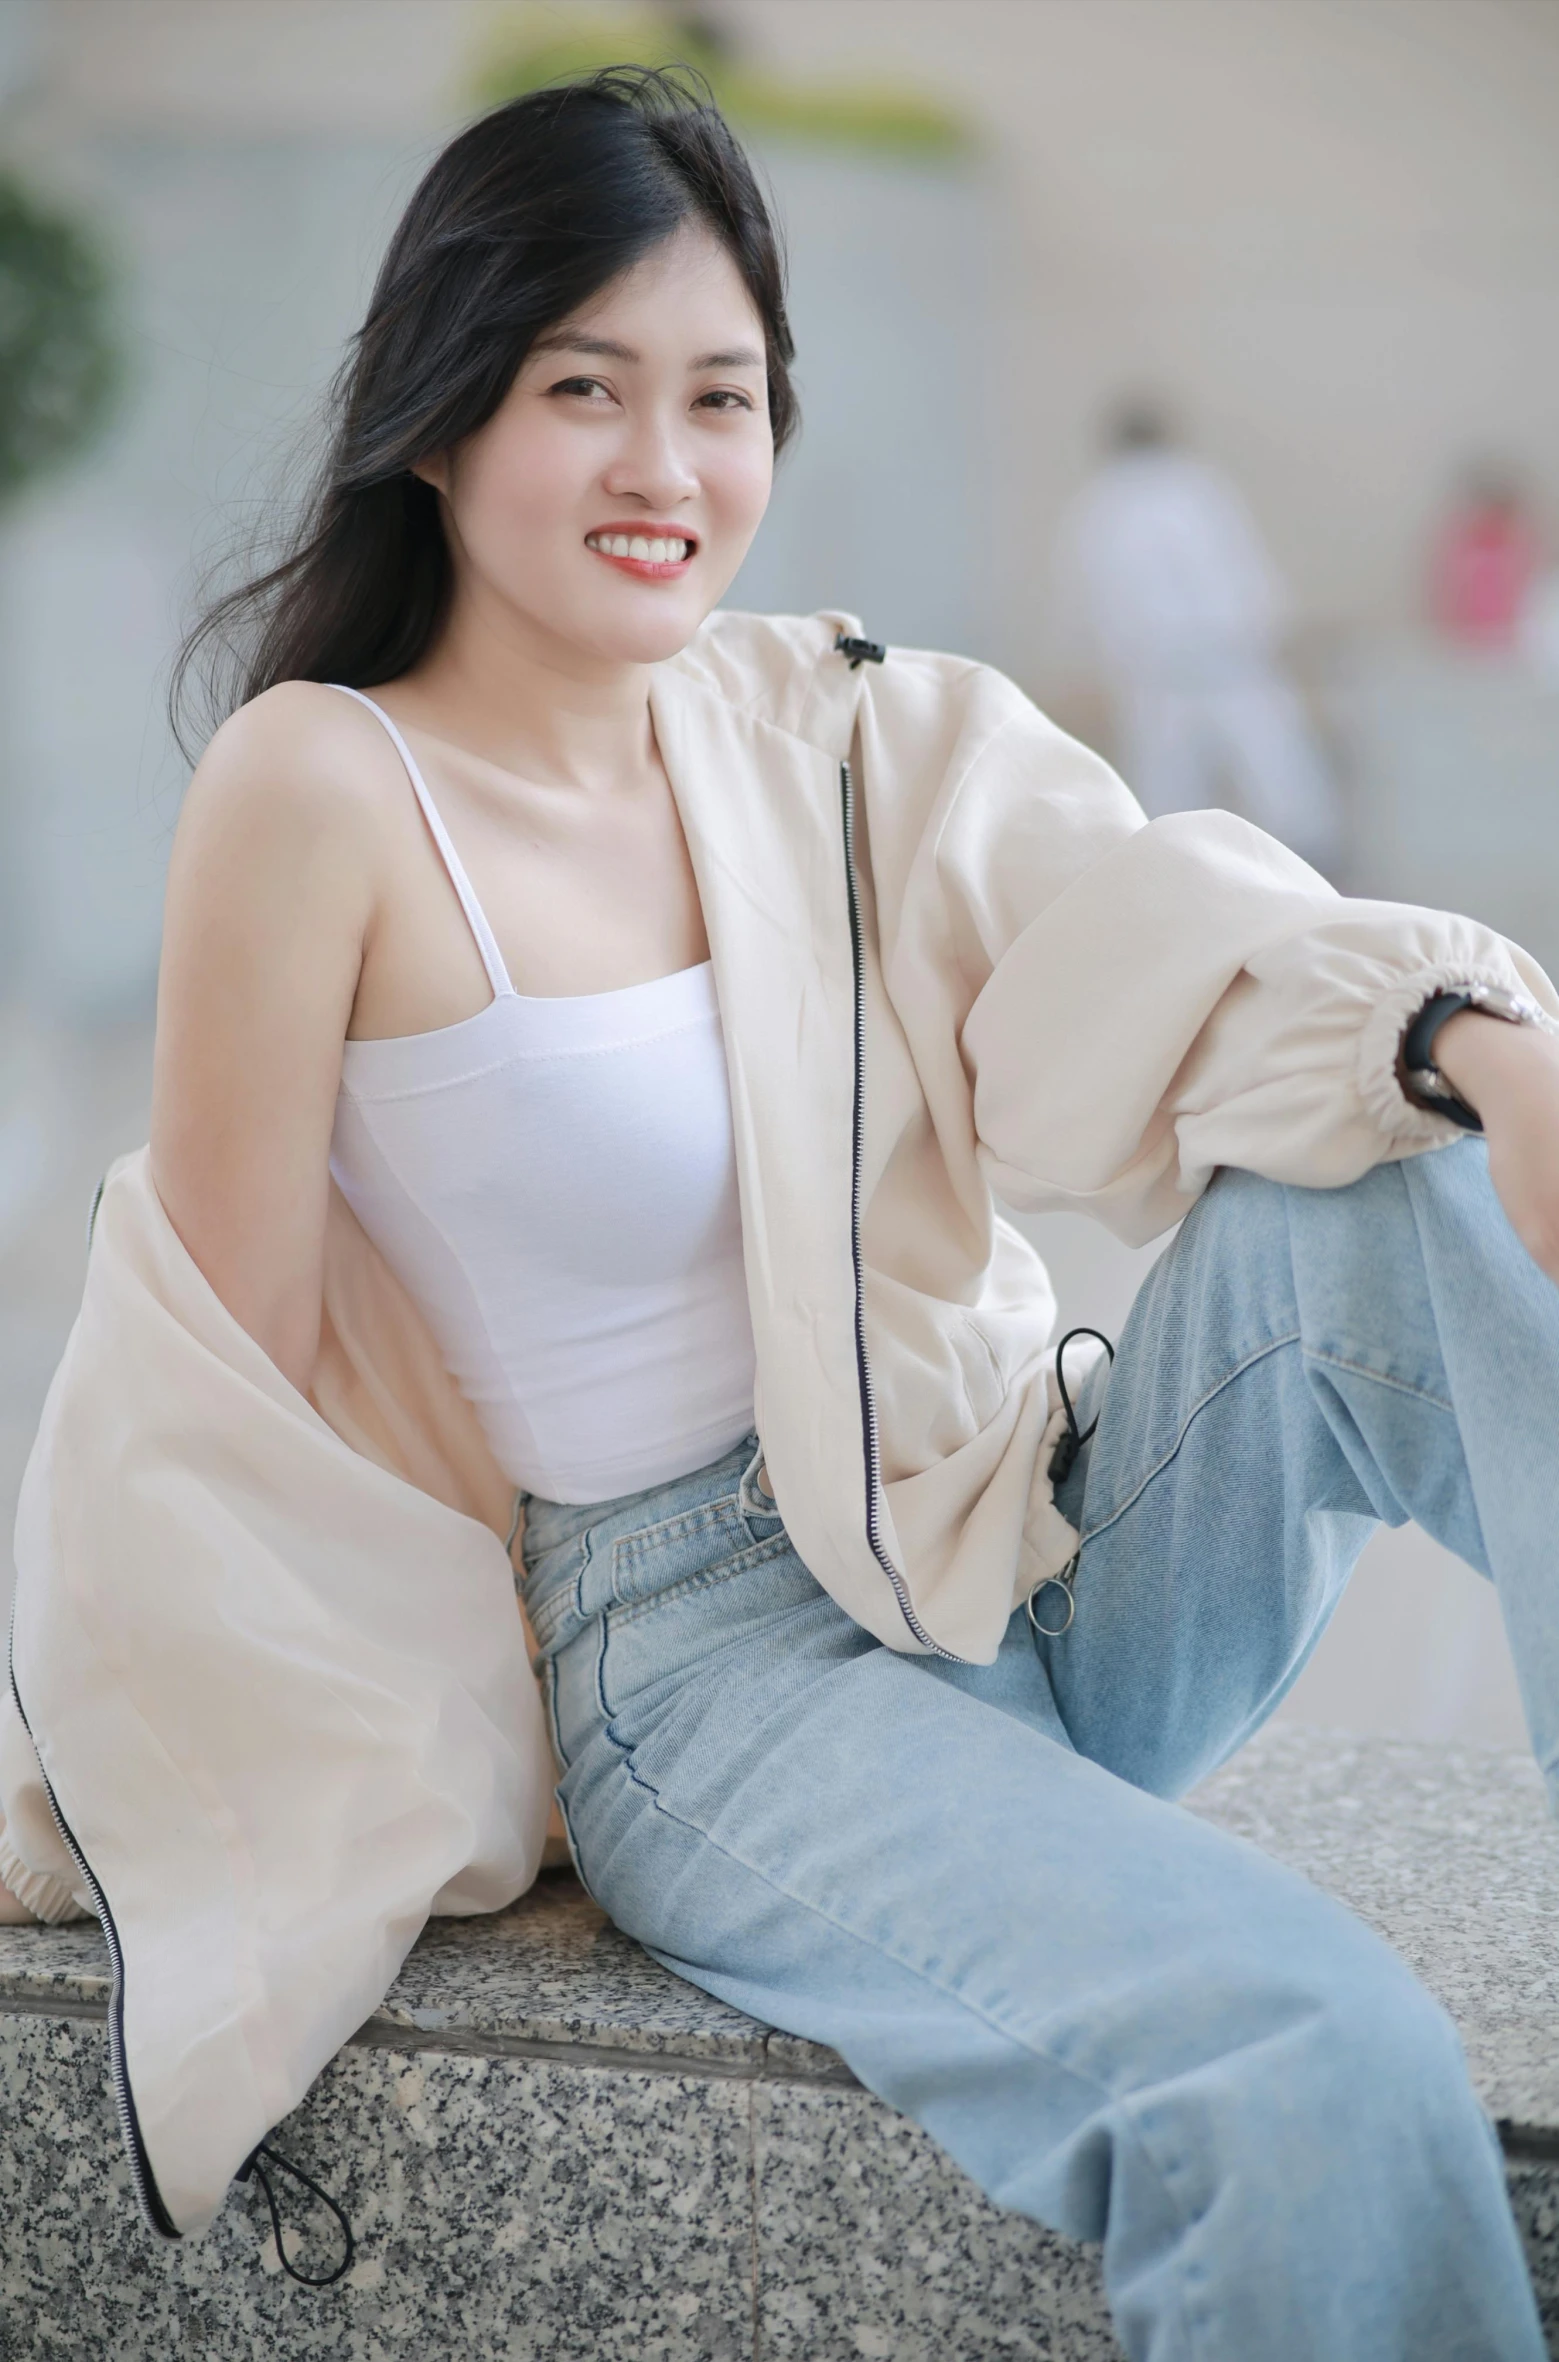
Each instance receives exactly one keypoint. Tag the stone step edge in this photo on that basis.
(1523, 2144)
(383, 2033)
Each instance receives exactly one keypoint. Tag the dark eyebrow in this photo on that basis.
(566, 340)
(606, 348)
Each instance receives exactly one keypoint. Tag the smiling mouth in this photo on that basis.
(654, 555)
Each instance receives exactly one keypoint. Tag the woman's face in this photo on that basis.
(611, 497)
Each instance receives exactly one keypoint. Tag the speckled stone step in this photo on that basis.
(549, 2147)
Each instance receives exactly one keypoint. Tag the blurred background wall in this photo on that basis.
(1324, 232)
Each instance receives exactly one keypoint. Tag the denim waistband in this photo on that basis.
(574, 1562)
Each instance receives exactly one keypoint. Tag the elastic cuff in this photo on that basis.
(48, 1899)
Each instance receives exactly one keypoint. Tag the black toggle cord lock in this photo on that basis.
(252, 2167)
(861, 651)
(1062, 1461)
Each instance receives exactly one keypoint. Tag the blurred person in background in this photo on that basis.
(1538, 637)
(1486, 562)
(1168, 593)
(595, 1031)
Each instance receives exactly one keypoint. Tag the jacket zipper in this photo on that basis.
(146, 2190)
(869, 1433)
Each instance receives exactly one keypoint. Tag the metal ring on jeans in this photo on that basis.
(1063, 1584)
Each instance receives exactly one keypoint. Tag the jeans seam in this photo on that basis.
(911, 1968)
(1262, 1352)
(552, 1709)
(1339, 1361)
(573, 1847)
(605, 1622)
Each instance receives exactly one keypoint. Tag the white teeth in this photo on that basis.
(663, 550)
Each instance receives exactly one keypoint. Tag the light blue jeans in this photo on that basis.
(969, 1879)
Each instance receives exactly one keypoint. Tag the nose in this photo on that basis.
(653, 463)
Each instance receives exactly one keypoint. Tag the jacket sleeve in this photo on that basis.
(1139, 1003)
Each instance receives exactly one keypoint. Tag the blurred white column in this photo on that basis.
(889, 504)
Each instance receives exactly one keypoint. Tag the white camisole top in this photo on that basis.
(553, 1181)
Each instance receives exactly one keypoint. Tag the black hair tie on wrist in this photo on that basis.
(252, 2167)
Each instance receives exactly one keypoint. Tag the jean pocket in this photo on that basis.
(654, 1643)
(703, 1546)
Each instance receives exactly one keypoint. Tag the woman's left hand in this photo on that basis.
(1510, 1074)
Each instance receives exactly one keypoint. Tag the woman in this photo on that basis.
(668, 999)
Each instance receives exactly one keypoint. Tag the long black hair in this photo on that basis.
(525, 216)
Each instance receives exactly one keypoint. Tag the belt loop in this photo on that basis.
(753, 1497)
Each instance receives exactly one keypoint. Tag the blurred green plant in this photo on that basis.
(59, 357)
(530, 50)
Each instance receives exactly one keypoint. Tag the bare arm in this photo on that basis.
(270, 895)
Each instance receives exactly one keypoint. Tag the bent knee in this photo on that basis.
(1356, 2041)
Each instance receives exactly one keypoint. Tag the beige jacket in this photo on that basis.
(268, 1647)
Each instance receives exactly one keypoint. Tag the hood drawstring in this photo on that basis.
(253, 2167)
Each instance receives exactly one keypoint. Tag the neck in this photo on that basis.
(529, 701)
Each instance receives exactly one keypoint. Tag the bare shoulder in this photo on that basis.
(300, 762)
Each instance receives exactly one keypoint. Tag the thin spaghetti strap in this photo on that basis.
(476, 917)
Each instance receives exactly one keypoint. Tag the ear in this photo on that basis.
(433, 470)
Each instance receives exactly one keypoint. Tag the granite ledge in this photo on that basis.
(549, 1978)
(1447, 1852)
(1451, 1855)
